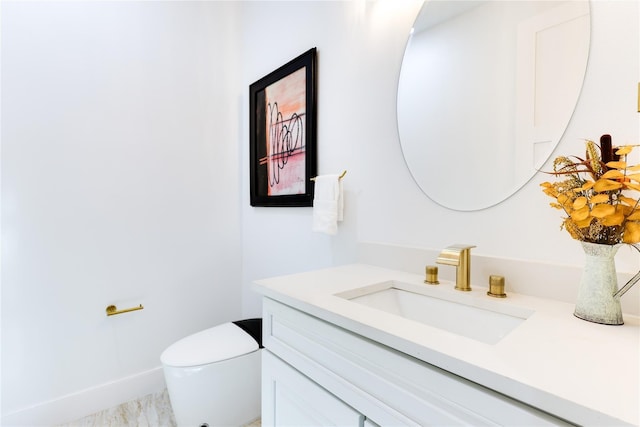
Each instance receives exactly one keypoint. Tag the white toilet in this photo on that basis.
(213, 376)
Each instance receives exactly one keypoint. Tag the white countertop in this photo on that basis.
(581, 371)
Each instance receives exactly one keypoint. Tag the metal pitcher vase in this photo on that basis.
(599, 297)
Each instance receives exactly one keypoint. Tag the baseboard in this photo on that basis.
(86, 402)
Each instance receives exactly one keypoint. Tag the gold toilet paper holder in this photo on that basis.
(112, 310)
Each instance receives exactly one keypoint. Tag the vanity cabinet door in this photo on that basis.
(291, 399)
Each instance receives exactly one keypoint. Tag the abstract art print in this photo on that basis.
(283, 134)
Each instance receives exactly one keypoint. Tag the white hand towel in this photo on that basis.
(327, 204)
(340, 200)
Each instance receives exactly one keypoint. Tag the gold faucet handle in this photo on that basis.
(431, 273)
(496, 287)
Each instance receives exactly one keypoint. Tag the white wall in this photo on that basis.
(359, 62)
(360, 47)
(120, 186)
(125, 170)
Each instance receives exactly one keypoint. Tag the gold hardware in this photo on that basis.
(496, 287)
(459, 256)
(431, 272)
(112, 310)
(340, 177)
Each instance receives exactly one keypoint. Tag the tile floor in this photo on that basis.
(153, 410)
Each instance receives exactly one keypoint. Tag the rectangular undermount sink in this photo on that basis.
(463, 314)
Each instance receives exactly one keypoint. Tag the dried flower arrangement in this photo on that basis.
(595, 194)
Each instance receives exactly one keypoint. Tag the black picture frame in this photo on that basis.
(283, 158)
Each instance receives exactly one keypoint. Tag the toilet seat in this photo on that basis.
(216, 344)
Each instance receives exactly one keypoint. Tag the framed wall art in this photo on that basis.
(282, 126)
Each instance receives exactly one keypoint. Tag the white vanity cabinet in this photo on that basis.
(317, 373)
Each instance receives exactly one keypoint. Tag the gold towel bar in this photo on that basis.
(112, 310)
(340, 177)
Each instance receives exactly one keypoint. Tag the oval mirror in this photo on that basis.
(486, 91)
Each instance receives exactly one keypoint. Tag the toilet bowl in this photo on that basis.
(213, 376)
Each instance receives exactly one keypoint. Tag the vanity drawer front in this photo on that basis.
(389, 387)
(292, 399)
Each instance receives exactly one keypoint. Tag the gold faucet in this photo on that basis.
(459, 256)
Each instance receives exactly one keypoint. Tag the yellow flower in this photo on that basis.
(597, 197)
(631, 232)
(606, 185)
